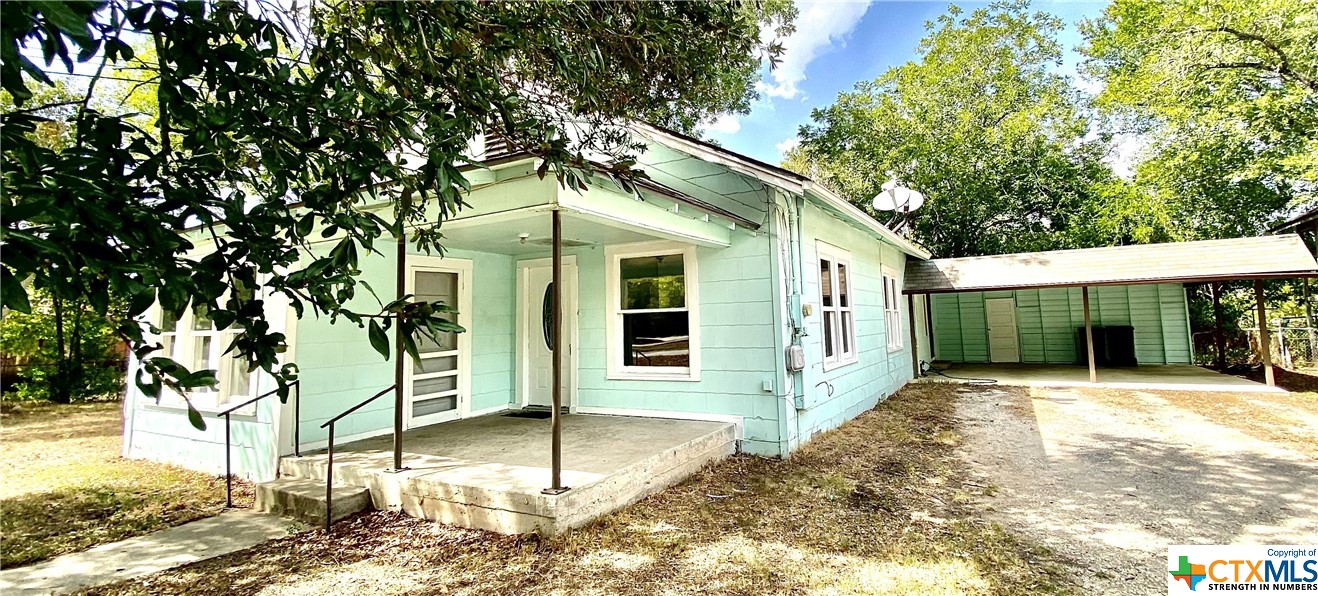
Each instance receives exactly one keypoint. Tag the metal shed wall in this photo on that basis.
(1046, 321)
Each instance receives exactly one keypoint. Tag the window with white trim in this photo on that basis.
(654, 329)
(892, 313)
(193, 341)
(836, 307)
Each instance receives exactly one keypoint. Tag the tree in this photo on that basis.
(1226, 94)
(273, 128)
(67, 351)
(982, 126)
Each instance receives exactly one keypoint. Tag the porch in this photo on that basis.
(1170, 377)
(489, 472)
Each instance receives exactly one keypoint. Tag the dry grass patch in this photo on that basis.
(878, 506)
(66, 489)
(1289, 419)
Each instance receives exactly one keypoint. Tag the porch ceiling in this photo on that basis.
(503, 234)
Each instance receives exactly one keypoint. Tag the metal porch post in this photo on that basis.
(1265, 350)
(1089, 336)
(400, 286)
(556, 326)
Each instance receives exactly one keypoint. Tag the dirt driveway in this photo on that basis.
(1109, 479)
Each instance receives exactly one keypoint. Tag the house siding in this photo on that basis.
(1047, 320)
(338, 368)
(736, 302)
(877, 373)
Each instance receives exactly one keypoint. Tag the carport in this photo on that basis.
(1037, 308)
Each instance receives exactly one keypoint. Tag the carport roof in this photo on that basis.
(1201, 261)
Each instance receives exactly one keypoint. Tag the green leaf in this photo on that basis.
(379, 339)
(62, 15)
(15, 295)
(194, 417)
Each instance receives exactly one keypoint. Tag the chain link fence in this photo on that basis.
(1294, 345)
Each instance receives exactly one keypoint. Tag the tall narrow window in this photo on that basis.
(653, 331)
(892, 315)
(835, 306)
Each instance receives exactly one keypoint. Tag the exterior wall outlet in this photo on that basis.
(767, 385)
(807, 309)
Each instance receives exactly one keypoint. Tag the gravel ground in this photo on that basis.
(1108, 481)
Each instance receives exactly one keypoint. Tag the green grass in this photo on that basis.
(67, 489)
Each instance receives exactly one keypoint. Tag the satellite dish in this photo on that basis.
(894, 197)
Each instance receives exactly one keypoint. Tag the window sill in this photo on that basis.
(691, 377)
(207, 410)
(828, 366)
(892, 350)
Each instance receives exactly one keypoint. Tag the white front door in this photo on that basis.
(1004, 342)
(438, 387)
(535, 308)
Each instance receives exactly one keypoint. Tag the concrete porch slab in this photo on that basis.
(1172, 377)
(488, 472)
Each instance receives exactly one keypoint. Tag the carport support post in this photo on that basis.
(555, 416)
(1265, 350)
(1089, 336)
(1219, 338)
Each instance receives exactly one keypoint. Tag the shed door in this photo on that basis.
(1004, 341)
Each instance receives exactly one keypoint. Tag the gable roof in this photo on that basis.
(1199, 261)
(778, 177)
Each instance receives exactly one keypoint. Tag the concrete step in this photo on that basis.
(304, 500)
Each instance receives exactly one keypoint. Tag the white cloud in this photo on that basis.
(820, 27)
(726, 124)
(788, 145)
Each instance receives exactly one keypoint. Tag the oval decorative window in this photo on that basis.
(547, 316)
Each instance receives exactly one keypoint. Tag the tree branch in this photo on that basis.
(1283, 69)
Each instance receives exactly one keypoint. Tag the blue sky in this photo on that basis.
(840, 43)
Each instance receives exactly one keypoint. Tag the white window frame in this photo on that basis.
(844, 350)
(613, 256)
(180, 350)
(892, 310)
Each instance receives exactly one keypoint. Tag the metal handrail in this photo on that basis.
(228, 420)
(329, 459)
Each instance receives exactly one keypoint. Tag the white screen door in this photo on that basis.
(1004, 342)
(435, 386)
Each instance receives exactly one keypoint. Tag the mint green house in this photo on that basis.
(681, 302)
(724, 306)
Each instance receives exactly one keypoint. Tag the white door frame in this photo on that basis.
(524, 307)
(463, 268)
(1015, 332)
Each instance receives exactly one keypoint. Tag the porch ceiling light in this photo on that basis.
(523, 237)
